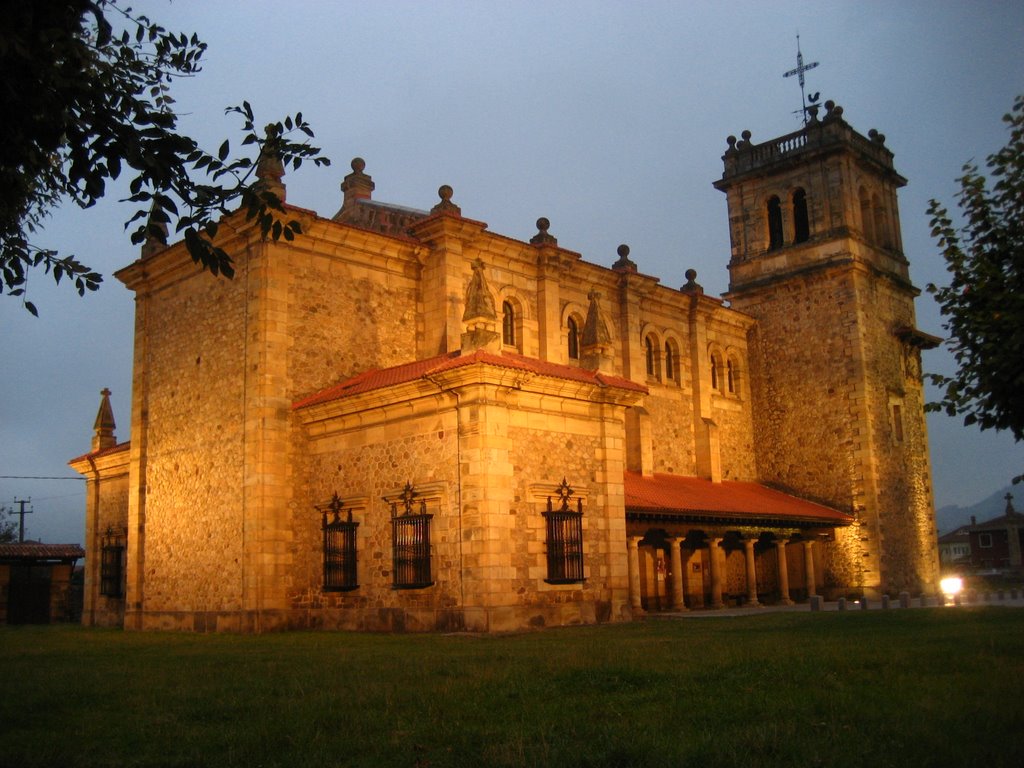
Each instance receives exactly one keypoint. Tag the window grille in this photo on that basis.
(410, 542)
(112, 564)
(340, 574)
(564, 538)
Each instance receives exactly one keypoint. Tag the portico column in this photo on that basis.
(809, 566)
(716, 571)
(634, 574)
(678, 601)
(748, 545)
(780, 547)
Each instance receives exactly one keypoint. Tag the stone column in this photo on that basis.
(678, 600)
(748, 546)
(809, 566)
(780, 548)
(634, 574)
(716, 571)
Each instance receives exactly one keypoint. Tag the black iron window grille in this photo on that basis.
(339, 548)
(112, 550)
(564, 538)
(410, 541)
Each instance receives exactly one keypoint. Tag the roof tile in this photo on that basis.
(729, 498)
(379, 378)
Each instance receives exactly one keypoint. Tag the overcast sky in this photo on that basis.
(608, 118)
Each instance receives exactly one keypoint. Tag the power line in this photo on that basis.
(37, 477)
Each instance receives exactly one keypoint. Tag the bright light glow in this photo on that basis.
(951, 585)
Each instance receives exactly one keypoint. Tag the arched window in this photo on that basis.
(574, 338)
(670, 361)
(730, 377)
(774, 223)
(801, 223)
(508, 324)
(649, 348)
(867, 218)
(714, 372)
(881, 223)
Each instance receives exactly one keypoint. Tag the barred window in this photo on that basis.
(112, 564)
(564, 538)
(410, 542)
(340, 574)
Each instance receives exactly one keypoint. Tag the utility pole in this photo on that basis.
(21, 516)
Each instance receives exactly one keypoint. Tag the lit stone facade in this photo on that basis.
(369, 427)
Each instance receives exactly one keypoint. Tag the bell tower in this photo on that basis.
(817, 259)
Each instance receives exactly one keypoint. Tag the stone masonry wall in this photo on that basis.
(828, 368)
(671, 419)
(345, 319)
(112, 513)
(194, 492)
(905, 506)
(542, 456)
(807, 387)
(366, 467)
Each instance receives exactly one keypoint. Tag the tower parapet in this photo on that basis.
(831, 132)
(820, 196)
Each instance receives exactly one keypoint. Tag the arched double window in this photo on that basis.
(573, 338)
(508, 324)
(775, 239)
(801, 221)
(671, 362)
(651, 356)
(867, 217)
(882, 232)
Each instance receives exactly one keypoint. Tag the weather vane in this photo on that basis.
(799, 72)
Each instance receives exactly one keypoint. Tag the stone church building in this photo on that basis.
(403, 421)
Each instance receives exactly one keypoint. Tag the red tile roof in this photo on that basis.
(33, 550)
(378, 378)
(103, 451)
(692, 496)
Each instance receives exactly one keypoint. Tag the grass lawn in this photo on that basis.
(928, 687)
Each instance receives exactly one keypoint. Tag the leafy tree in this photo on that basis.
(984, 301)
(85, 96)
(8, 528)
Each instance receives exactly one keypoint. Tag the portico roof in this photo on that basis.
(673, 497)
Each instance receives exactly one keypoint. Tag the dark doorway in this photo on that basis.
(28, 595)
